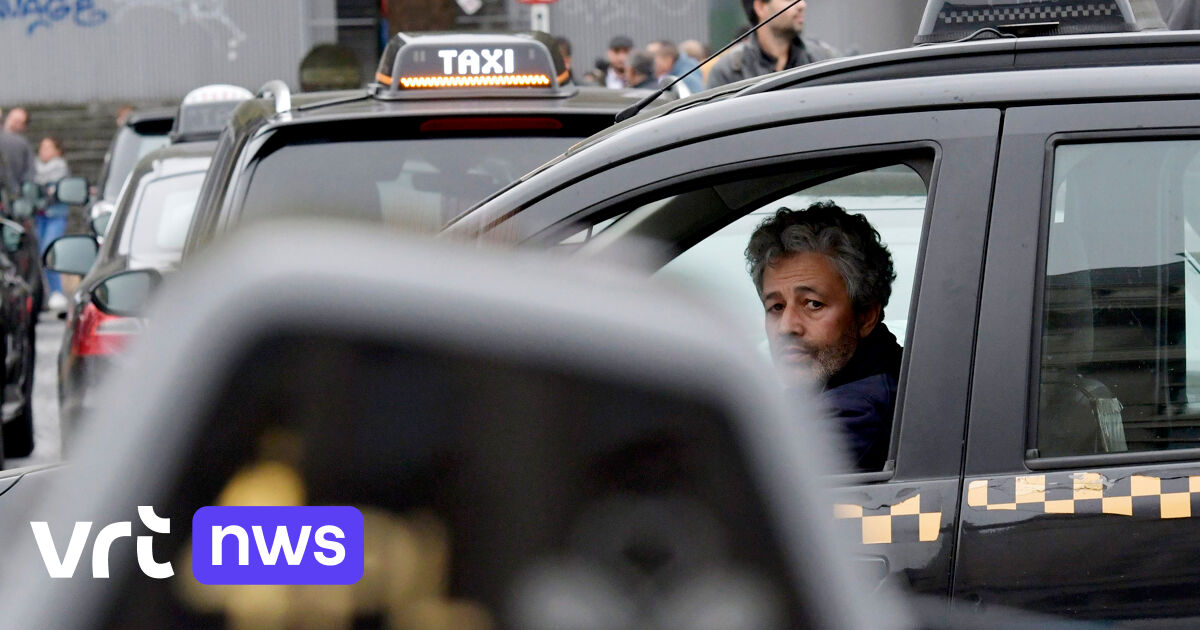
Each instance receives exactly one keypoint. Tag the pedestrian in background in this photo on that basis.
(669, 60)
(618, 59)
(776, 46)
(564, 49)
(17, 121)
(698, 51)
(640, 73)
(51, 221)
(16, 162)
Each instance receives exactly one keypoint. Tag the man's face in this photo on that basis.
(617, 58)
(17, 121)
(810, 322)
(662, 64)
(789, 23)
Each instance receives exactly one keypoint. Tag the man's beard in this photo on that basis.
(825, 361)
(828, 360)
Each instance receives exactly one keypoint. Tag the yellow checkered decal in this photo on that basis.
(902, 522)
(1089, 493)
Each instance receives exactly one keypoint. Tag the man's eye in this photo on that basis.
(814, 305)
(774, 308)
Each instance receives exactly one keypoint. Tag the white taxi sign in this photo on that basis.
(467, 61)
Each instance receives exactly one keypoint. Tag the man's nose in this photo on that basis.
(790, 322)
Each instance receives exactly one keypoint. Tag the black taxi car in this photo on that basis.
(1041, 198)
(451, 119)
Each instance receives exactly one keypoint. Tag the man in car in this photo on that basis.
(825, 277)
(776, 46)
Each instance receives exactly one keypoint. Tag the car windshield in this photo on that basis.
(128, 147)
(417, 184)
(163, 215)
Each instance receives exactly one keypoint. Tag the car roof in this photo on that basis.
(955, 91)
(986, 55)
(314, 107)
(175, 159)
(157, 114)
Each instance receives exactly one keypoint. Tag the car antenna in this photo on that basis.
(632, 110)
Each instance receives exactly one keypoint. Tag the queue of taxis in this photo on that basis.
(145, 229)
(1039, 194)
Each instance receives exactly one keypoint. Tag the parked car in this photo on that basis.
(146, 231)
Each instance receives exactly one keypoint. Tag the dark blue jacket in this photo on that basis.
(862, 396)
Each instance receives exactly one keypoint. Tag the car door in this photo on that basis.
(706, 196)
(1082, 470)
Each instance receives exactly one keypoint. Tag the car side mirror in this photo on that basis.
(126, 294)
(31, 192)
(678, 91)
(72, 254)
(99, 224)
(22, 209)
(72, 190)
(12, 234)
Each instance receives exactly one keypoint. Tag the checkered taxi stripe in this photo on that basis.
(902, 522)
(1027, 13)
(1090, 493)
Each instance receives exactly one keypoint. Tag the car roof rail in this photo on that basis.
(278, 91)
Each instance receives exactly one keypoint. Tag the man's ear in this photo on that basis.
(867, 320)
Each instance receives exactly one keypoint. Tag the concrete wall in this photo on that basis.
(139, 50)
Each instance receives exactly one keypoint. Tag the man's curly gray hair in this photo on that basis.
(849, 240)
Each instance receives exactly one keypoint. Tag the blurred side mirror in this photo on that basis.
(99, 224)
(678, 91)
(73, 190)
(22, 209)
(31, 192)
(125, 294)
(101, 207)
(12, 235)
(73, 254)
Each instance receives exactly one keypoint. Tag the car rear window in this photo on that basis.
(128, 148)
(411, 183)
(163, 215)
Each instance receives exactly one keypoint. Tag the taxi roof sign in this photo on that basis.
(508, 65)
(952, 20)
(206, 110)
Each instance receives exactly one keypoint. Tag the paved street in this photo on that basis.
(47, 439)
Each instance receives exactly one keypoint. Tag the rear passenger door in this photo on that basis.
(700, 201)
(1083, 466)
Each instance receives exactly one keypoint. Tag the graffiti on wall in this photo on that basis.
(208, 14)
(44, 14)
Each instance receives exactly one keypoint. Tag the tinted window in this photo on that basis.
(418, 183)
(525, 498)
(128, 148)
(164, 212)
(1120, 346)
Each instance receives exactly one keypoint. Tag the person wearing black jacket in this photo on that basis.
(824, 277)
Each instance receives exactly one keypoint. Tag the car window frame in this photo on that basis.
(937, 441)
(1004, 411)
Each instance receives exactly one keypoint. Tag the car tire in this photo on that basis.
(18, 434)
